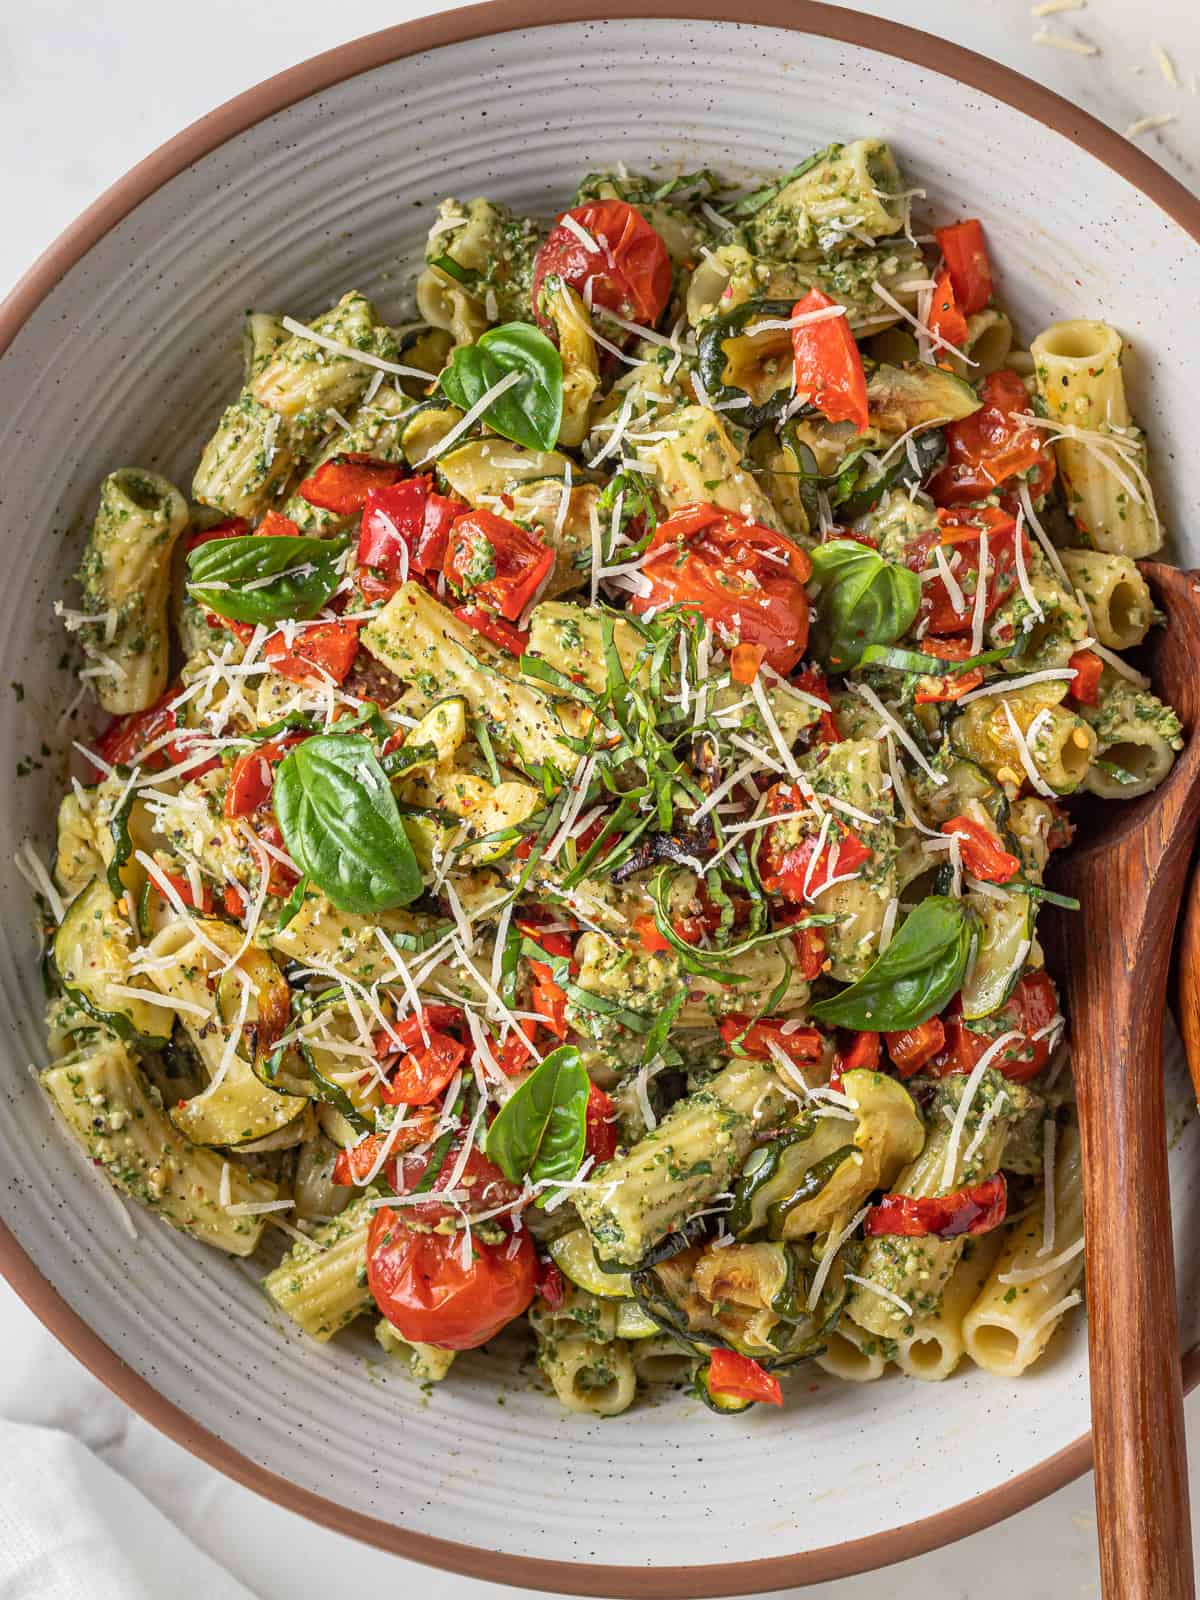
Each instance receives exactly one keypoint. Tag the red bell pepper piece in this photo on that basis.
(828, 366)
(945, 317)
(861, 1055)
(983, 855)
(978, 1208)
(353, 1165)
(320, 653)
(1085, 686)
(800, 1045)
(431, 1055)
(911, 1048)
(601, 1118)
(342, 483)
(931, 690)
(741, 1378)
(276, 526)
(500, 633)
(813, 682)
(965, 253)
(403, 516)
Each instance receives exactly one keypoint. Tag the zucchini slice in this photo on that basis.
(633, 1323)
(91, 957)
(1005, 940)
(426, 428)
(240, 1110)
(915, 395)
(726, 1405)
(574, 1257)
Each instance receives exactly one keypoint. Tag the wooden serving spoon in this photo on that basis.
(1113, 956)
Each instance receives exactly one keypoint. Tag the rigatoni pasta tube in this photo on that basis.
(323, 1286)
(935, 1346)
(1101, 455)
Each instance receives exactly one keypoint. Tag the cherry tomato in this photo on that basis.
(756, 1038)
(122, 742)
(742, 1378)
(827, 364)
(428, 1057)
(354, 1165)
(800, 871)
(499, 633)
(911, 1048)
(993, 446)
(602, 1135)
(320, 652)
(983, 855)
(812, 681)
(808, 943)
(965, 252)
(343, 483)
(252, 779)
(485, 1185)
(747, 580)
(1031, 1009)
(959, 535)
(976, 1209)
(1085, 686)
(419, 1282)
(496, 562)
(626, 262)
(945, 318)
(406, 516)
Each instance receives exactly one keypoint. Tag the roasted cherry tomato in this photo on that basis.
(809, 944)
(911, 1048)
(860, 1055)
(602, 1135)
(421, 1285)
(976, 1209)
(742, 1378)
(1085, 686)
(481, 1186)
(252, 779)
(958, 536)
(320, 652)
(964, 250)
(1030, 1011)
(428, 1056)
(611, 256)
(993, 446)
(747, 580)
(231, 528)
(811, 681)
(405, 528)
(983, 855)
(757, 1038)
(827, 365)
(496, 563)
(555, 940)
(548, 999)
(800, 871)
(342, 483)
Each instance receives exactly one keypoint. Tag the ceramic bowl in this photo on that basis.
(120, 346)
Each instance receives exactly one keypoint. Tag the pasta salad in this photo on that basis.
(583, 767)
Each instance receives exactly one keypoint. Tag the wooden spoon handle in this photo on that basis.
(1137, 1399)
(1187, 957)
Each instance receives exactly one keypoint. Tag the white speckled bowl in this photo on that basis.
(118, 348)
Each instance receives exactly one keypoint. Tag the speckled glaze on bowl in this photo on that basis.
(119, 347)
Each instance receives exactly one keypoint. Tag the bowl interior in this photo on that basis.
(129, 359)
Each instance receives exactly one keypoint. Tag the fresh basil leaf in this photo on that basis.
(751, 203)
(541, 1129)
(291, 577)
(531, 410)
(292, 904)
(341, 825)
(863, 600)
(918, 973)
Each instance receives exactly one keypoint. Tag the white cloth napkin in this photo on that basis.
(72, 1529)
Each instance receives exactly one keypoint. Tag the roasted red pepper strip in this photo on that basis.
(549, 999)
(602, 1135)
(1085, 686)
(343, 483)
(828, 367)
(432, 1056)
(911, 1048)
(742, 1379)
(320, 653)
(983, 855)
(756, 1038)
(965, 252)
(500, 633)
(945, 317)
(183, 888)
(405, 518)
(354, 1165)
(976, 1209)
(122, 742)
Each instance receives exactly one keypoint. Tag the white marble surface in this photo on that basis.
(87, 91)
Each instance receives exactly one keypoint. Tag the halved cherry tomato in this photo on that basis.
(931, 690)
(911, 1048)
(231, 528)
(602, 1134)
(1085, 686)
(812, 681)
(496, 562)
(1030, 1010)
(253, 775)
(799, 872)
(499, 633)
(827, 364)
(964, 250)
(627, 263)
(432, 1055)
(485, 1186)
(353, 1166)
(343, 483)
(320, 653)
(945, 318)
(422, 1287)
(747, 580)
(992, 446)
(122, 742)
(742, 1378)
(959, 534)
(983, 855)
(406, 516)
(756, 1038)
(976, 1209)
